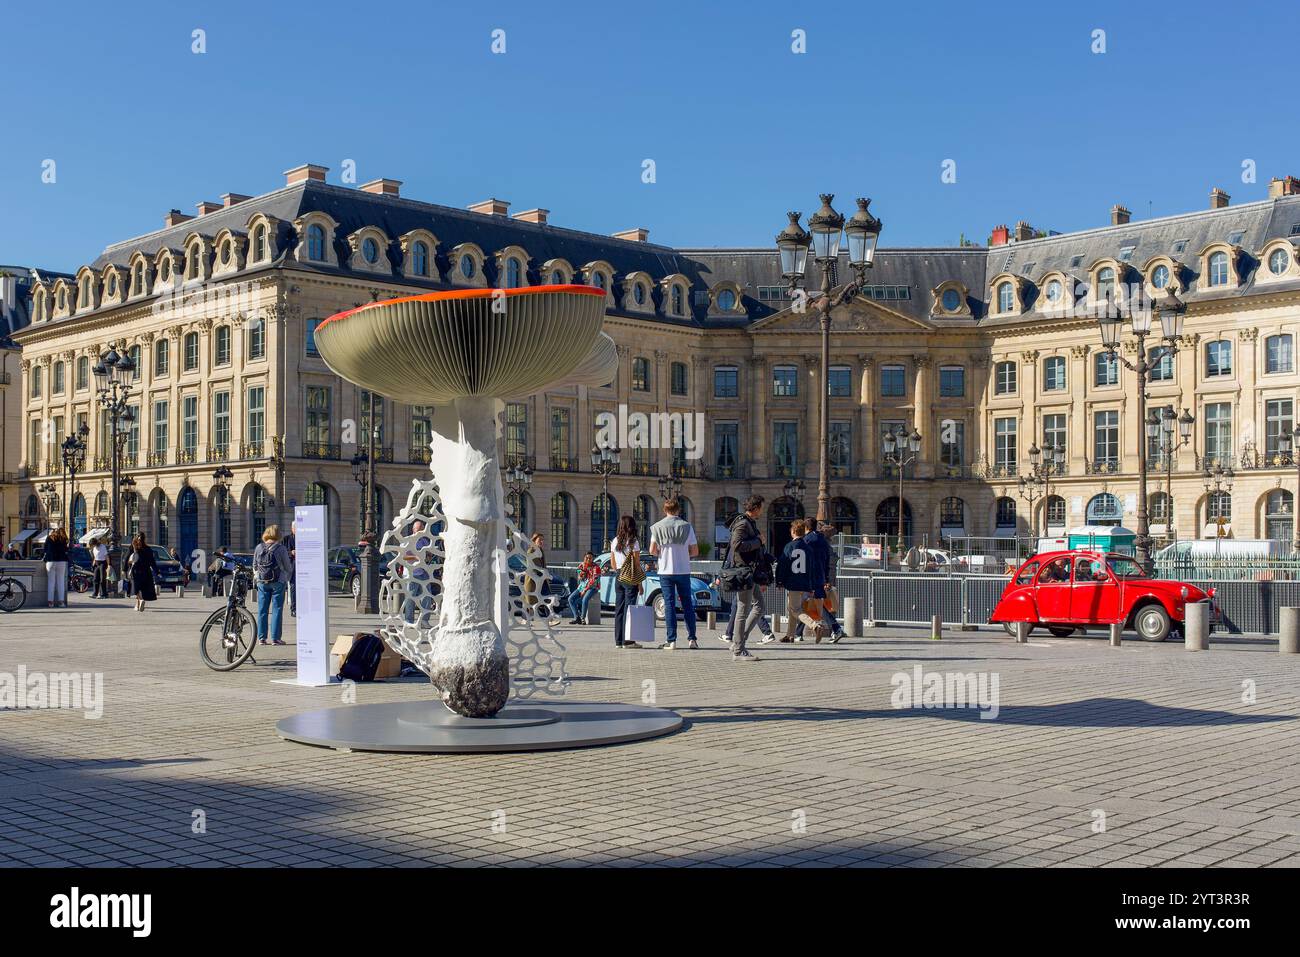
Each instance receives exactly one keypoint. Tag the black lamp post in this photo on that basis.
(127, 486)
(1170, 431)
(863, 231)
(1288, 445)
(363, 470)
(113, 374)
(518, 479)
(1171, 310)
(897, 446)
(670, 486)
(221, 481)
(795, 488)
(49, 495)
(604, 462)
(1043, 463)
(73, 451)
(1217, 481)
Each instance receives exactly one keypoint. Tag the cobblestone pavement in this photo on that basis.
(799, 759)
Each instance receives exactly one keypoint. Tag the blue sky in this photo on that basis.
(740, 128)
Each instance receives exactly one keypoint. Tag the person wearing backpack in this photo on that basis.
(792, 575)
(272, 569)
(744, 554)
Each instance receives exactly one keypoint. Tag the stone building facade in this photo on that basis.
(984, 350)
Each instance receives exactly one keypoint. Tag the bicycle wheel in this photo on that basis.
(227, 644)
(13, 594)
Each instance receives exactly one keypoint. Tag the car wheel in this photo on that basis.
(355, 587)
(660, 607)
(1152, 623)
(1061, 631)
(1010, 628)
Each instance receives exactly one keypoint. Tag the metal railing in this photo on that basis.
(320, 450)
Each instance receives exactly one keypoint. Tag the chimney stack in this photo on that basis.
(1119, 215)
(1023, 231)
(1001, 236)
(207, 206)
(383, 187)
(1286, 186)
(1219, 199)
(532, 216)
(175, 217)
(230, 199)
(638, 235)
(490, 207)
(307, 171)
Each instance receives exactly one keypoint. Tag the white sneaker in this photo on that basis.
(724, 639)
(767, 639)
(668, 646)
(743, 656)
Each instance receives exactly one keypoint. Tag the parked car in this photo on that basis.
(167, 571)
(1070, 591)
(80, 557)
(555, 589)
(707, 598)
(344, 568)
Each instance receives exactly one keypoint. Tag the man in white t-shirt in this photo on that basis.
(672, 541)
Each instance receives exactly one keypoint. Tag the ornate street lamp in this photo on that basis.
(1217, 481)
(1171, 310)
(221, 482)
(363, 470)
(49, 493)
(827, 225)
(73, 451)
(670, 486)
(794, 488)
(898, 444)
(604, 462)
(113, 375)
(127, 486)
(518, 479)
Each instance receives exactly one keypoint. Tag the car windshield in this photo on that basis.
(1124, 568)
(160, 553)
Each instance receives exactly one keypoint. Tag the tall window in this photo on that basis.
(34, 443)
(36, 382)
(190, 423)
(1219, 506)
(677, 301)
(952, 513)
(726, 382)
(679, 378)
(1279, 516)
(1006, 297)
(1004, 378)
(641, 374)
(422, 432)
(135, 355)
(1218, 269)
(365, 400)
(1053, 373)
(1105, 369)
(841, 448)
(561, 442)
(133, 431)
(83, 372)
(1054, 430)
(726, 449)
(785, 448)
(1006, 513)
(893, 381)
(221, 346)
(1218, 358)
(161, 424)
(785, 380)
(1105, 284)
(315, 243)
(514, 273)
(1279, 416)
(221, 420)
(420, 259)
(560, 522)
(1218, 434)
(161, 357)
(1005, 454)
(1156, 442)
(1278, 354)
(191, 343)
(952, 381)
(1055, 513)
(56, 387)
(952, 444)
(1105, 438)
(1161, 361)
(839, 381)
(256, 430)
(259, 244)
(316, 427)
(516, 432)
(257, 338)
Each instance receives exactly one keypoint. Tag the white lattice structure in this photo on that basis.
(410, 597)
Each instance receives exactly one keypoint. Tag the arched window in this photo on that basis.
(952, 515)
(1104, 509)
(514, 273)
(1219, 506)
(78, 516)
(221, 346)
(316, 242)
(598, 280)
(193, 262)
(256, 515)
(259, 243)
(725, 510)
(137, 281)
(1105, 284)
(561, 517)
(1005, 515)
(677, 302)
(641, 374)
(1279, 516)
(1218, 269)
(1053, 373)
(160, 530)
(1054, 514)
(33, 508)
(467, 266)
(604, 515)
(887, 519)
(1006, 297)
(557, 277)
(420, 259)
(187, 511)
(83, 293)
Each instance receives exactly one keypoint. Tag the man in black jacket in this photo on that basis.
(746, 549)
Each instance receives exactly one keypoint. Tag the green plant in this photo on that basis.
(705, 549)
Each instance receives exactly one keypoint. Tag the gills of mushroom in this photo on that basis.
(461, 351)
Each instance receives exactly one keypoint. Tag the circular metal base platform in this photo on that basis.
(427, 726)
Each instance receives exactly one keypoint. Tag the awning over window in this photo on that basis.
(22, 536)
(93, 533)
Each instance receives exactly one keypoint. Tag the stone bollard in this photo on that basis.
(853, 617)
(1288, 632)
(1116, 634)
(1196, 626)
(1022, 632)
(936, 627)
(180, 591)
(712, 621)
(593, 612)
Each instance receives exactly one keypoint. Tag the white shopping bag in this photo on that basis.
(640, 626)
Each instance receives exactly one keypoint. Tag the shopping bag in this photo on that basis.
(832, 599)
(640, 625)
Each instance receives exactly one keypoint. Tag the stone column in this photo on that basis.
(867, 460)
(810, 437)
(923, 418)
(1078, 425)
(756, 369)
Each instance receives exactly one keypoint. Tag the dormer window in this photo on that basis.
(316, 242)
(1006, 297)
(1160, 276)
(514, 273)
(598, 280)
(1054, 291)
(951, 300)
(192, 268)
(677, 301)
(137, 279)
(557, 278)
(83, 293)
(726, 300)
(1105, 283)
(226, 249)
(259, 243)
(370, 251)
(638, 294)
(111, 286)
(1279, 261)
(467, 266)
(165, 269)
(1218, 269)
(420, 259)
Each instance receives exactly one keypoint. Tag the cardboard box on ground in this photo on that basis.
(390, 665)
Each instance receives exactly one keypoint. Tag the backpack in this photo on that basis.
(265, 567)
(362, 660)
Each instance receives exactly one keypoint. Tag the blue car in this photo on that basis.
(707, 598)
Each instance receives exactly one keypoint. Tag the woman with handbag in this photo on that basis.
(143, 567)
(744, 553)
(625, 558)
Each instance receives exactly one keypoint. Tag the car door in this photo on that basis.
(1052, 590)
(1093, 598)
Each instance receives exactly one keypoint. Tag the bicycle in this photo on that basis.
(13, 594)
(230, 633)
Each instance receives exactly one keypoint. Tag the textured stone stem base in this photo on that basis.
(469, 662)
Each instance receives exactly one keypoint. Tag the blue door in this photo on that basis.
(78, 517)
(604, 512)
(187, 507)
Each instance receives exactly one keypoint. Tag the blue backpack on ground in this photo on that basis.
(362, 659)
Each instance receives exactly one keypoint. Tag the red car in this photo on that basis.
(1069, 591)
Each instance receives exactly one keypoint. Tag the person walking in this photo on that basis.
(271, 570)
(291, 543)
(143, 566)
(588, 585)
(743, 554)
(537, 551)
(792, 575)
(99, 567)
(672, 541)
(185, 569)
(56, 569)
(818, 547)
(625, 545)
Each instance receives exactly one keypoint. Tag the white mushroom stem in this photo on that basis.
(470, 664)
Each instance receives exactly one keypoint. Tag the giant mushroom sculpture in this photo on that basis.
(462, 352)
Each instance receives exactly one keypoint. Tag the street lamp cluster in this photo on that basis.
(363, 471)
(792, 243)
(604, 462)
(114, 373)
(901, 450)
(1169, 432)
(1043, 464)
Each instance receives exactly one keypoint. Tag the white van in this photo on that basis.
(1239, 548)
